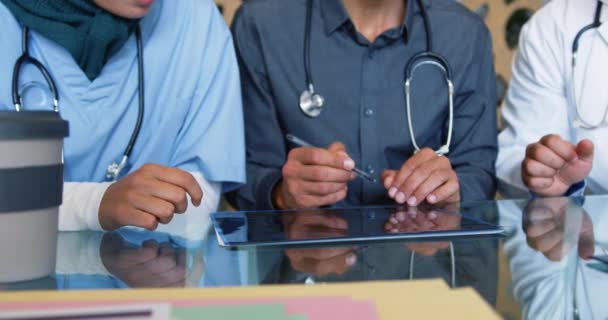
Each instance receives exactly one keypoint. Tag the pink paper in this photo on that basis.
(315, 308)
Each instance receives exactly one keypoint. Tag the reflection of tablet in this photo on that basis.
(328, 226)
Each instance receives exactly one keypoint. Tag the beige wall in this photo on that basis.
(229, 7)
(498, 16)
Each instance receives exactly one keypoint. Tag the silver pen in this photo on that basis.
(301, 143)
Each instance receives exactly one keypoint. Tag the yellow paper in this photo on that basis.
(424, 299)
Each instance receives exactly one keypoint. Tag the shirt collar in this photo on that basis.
(335, 15)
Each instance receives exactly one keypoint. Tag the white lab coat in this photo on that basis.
(540, 99)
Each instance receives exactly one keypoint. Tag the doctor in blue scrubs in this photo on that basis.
(191, 144)
(357, 55)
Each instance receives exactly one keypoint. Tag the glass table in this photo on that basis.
(552, 264)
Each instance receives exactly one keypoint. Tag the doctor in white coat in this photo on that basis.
(556, 109)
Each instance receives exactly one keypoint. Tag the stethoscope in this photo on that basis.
(580, 122)
(312, 102)
(115, 169)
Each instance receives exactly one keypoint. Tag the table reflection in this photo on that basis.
(318, 261)
(554, 227)
(151, 265)
(553, 257)
(461, 263)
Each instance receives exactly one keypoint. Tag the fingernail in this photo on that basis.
(392, 192)
(400, 198)
(388, 182)
(401, 217)
(432, 198)
(349, 164)
(353, 176)
(351, 260)
(393, 220)
(412, 201)
(394, 231)
(432, 215)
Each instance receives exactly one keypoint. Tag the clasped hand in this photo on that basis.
(316, 177)
(147, 197)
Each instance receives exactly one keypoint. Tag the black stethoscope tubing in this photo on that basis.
(114, 170)
(594, 25)
(312, 103)
(428, 35)
(580, 122)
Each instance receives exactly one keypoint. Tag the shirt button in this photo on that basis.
(370, 169)
(368, 112)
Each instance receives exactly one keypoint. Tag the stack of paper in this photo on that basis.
(356, 301)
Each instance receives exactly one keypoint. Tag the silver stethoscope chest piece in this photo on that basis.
(311, 103)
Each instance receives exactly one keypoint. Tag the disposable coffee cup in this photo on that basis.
(31, 191)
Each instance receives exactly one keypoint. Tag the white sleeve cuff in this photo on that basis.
(194, 224)
(80, 208)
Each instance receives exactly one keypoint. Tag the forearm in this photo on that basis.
(81, 202)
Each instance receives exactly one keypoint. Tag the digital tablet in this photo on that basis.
(345, 225)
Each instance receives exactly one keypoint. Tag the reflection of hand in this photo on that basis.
(151, 266)
(416, 220)
(547, 233)
(314, 177)
(148, 196)
(318, 261)
(424, 176)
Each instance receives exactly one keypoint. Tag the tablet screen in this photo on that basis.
(315, 226)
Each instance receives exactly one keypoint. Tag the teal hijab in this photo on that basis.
(91, 34)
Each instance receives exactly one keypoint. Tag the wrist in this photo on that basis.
(554, 191)
(278, 200)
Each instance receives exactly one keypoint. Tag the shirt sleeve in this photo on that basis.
(81, 201)
(265, 144)
(212, 138)
(536, 104)
(474, 145)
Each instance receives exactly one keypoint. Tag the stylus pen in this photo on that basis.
(301, 143)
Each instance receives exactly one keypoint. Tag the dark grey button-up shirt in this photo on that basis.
(363, 85)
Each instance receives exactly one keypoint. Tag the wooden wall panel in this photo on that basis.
(229, 8)
(498, 14)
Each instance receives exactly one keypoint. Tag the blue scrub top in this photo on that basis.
(193, 111)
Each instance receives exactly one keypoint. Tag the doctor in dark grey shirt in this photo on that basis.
(358, 52)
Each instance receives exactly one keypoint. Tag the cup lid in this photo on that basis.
(32, 125)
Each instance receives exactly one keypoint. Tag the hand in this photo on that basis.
(314, 177)
(415, 220)
(151, 266)
(319, 261)
(553, 165)
(547, 232)
(425, 176)
(148, 196)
